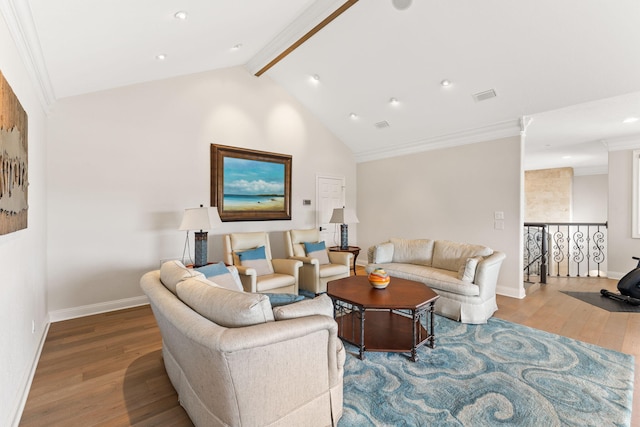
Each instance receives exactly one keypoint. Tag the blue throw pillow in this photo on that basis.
(277, 300)
(317, 250)
(221, 275)
(257, 259)
(213, 269)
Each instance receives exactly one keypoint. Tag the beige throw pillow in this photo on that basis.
(319, 305)
(467, 272)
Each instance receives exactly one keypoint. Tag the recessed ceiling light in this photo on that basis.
(237, 46)
(181, 15)
(566, 157)
(393, 101)
(353, 116)
(315, 79)
(630, 120)
(161, 57)
(445, 83)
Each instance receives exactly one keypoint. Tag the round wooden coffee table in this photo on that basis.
(383, 319)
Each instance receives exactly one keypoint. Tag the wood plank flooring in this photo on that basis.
(107, 369)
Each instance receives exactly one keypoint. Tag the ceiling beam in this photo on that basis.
(306, 36)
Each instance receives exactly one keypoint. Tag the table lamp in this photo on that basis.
(343, 216)
(200, 219)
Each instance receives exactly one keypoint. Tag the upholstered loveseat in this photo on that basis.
(465, 276)
(236, 361)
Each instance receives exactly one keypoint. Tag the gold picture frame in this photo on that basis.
(250, 185)
(14, 166)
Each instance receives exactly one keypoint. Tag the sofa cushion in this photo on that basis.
(173, 272)
(231, 309)
(319, 305)
(452, 255)
(467, 272)
(256, 259)
(318, 251)
(227, 277)
(382, 252)
(412, 251)
(435, 278)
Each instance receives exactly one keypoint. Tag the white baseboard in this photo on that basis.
(615, 275)
(32, 373)
(103, 307)
(511, 292)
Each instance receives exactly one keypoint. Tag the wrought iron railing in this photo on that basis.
(572, 249)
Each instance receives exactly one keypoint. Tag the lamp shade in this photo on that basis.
(200, 219)
(343, 216)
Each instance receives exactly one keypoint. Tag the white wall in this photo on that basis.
(590, 198)
(448, 194)
(123, 165)
(22, 253)
(621, 246)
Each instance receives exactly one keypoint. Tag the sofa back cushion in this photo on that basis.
(298, 237)
(231, 309)
(452, 255)
(412, 251)
(173, 272)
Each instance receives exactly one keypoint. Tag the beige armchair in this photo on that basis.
(272, 275)
(314, 275)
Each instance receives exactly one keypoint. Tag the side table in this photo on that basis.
(355, 250)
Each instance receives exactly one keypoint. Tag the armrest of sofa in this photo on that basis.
(342, 258)
(286, 266)
(487, 273)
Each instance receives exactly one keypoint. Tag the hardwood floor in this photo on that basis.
(107, 369)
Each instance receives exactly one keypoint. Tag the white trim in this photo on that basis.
(511, 292)
(471, 136)
(103, 307)
(308, 19)
(635, 196)
(591, 170)
(616, 275)
(19, 19)
(32, 373)
(630, 142)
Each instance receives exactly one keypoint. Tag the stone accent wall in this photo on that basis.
(548, 195)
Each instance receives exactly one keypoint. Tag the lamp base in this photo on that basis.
(344, 236)
(200, 249)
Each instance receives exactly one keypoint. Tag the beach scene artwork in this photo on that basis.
(253, 185)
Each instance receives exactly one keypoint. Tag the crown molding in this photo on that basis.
(485, 133)
(17, 15)
(293, 32)
(630, 142)
(591, 170)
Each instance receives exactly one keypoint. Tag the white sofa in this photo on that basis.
(464, 275)
(235, 361)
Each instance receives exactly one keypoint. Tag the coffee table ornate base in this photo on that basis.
(390, 320)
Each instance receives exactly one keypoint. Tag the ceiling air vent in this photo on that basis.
(383, 124)
(487, 94)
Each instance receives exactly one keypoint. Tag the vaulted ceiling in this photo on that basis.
(373, 74)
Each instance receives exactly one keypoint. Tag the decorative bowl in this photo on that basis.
(379, 278)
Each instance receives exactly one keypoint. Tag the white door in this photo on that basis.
(330, 195)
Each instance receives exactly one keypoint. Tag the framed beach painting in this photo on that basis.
(250, 185)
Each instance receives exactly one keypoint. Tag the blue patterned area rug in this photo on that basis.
(500, 373)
